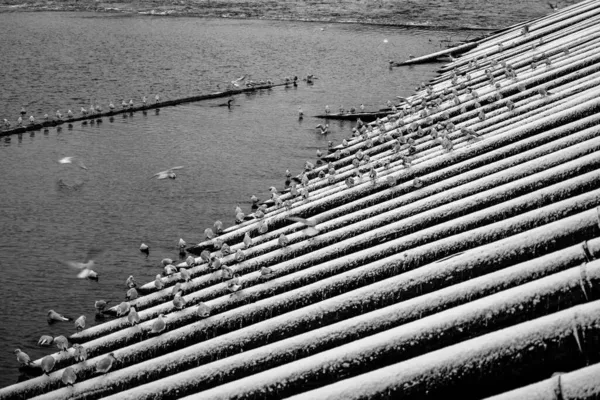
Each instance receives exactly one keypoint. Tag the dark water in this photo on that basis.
(53, 61)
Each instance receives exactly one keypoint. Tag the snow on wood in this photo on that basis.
(478, 366)
(478, 317)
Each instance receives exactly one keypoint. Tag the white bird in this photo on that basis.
(203, 310)
(133, 317)
(69, 160)
(179, 301)
(100, 305)
(131, 294)
(69, 377)
(80, 353)
(54, 316)
(209, 234)
(61, 342)
(166, 174)
(185, 274)
(159, 325)
(144, 248)
(104, 365)
(45, 340)
(130, 282)
(158, 283)
(80, 323)
(123, 309)
(234, 284)
(309, 224)
(218, 225)
(247, 240)
(48, 364)
(181, 244)
(22, 357)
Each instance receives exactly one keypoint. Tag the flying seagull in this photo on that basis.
(309, 224)
(166, 174)
(85, 267)
(69, 160)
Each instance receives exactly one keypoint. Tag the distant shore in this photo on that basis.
(380, 12)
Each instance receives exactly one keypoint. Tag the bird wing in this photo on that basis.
(171, 169)
(307, 222)
(159, 174)
(74, 264)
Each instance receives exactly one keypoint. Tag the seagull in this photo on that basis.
(61, 342)
(203, 310)
(159, 324)
(144, 248)
(105, 364)
(218, 225)
(133, 317)
(69, 160)
(123, 309)
(179, 301)
(166, 261)
(239, 255)
(158, 283)
(54, 316)
(80, 323)
(247, 240)
(69, 377)
(167, 173)
(80, 353)
(181, 244)
(47, 364)
(45, 340)
(309, 224)
(100, 305)
(190, 261)
(237, 81)
(22, 357)
(185, 274)
(234, 284)
(130, 282)
(131, 294)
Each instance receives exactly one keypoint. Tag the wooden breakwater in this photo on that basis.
(456, 254)
(27, 127)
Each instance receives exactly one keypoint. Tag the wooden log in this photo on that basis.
(455, 157)
(434, 56)
(215, 95)
(391, 250)
(485, 365)
(581, 384)
(419, 215)
(489, 314)
(431, 277)
(235, 365)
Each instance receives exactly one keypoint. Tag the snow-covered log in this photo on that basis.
(534, 299)
(581, 384)
(482, 366)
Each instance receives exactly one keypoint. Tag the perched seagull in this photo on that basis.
(179, 301)
(239, 255)
(190, 261)
(158, 283)
(53, 316)
(209, 234)
(203, 310)
(61, 342)
(166, 261)
(45, 340)
(159, 324)
(80, 323)
(185, 274)
(247, 240)
(69, 377)
(48, 364)
(22, 357)
(144, 100)
(181, 244)
(218, 225)
(104, 365)
(157, 98)
(266, 271)
(166, 174)
(131, 294)
(144, 248)
(234, 284)
(80, 353)
(100, 305)
(123, 309)
(309, 224)
(133, 317)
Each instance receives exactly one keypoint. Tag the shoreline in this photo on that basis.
(333, 15)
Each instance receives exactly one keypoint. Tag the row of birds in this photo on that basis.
(93, 110)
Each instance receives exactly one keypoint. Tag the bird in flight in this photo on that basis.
(309, 225)
(69, 160)
(86, 266)
(166, 174)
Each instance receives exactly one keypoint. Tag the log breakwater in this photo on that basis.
(451, 248)
(27, 127)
